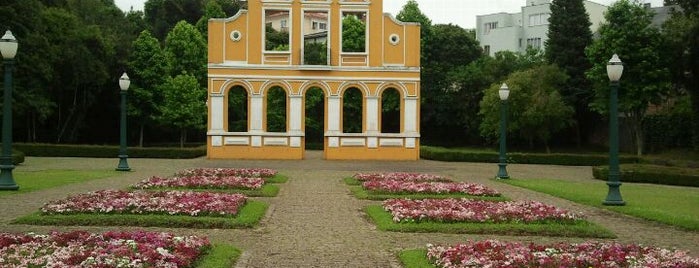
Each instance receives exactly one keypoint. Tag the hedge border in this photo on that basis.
(659, 174)
(106, 151)
(460, 155)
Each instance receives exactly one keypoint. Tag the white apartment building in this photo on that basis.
(517, 31)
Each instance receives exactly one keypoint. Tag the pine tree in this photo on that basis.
(569, 34)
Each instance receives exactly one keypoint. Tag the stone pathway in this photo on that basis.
(315, 222)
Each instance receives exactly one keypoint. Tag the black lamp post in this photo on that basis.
(614, 70)
(8, 48)
(124, 83)
(504, 93)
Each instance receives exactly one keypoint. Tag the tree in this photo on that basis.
(184, 104)
(148, 67)
(536, 110)
(628, 33)
(568, 36)
(681, 32)
(213, 10)
(161, 15)
(411, 13)
(186, 51)
(353, 34)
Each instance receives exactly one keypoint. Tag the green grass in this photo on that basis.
(278, 178)
(675, 206)
(384, 222)
(29, 181)
(248, 216)
(219, 256)
(361, 193)
(415, 258)
(267, 190)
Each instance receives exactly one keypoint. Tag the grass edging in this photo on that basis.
(277, 178)
(220, 255)
(384, 222)
(415, 258)
(665, 204)
(361, 193)
(248, 216)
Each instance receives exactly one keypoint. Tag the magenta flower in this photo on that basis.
(228, 172)
(206, 182)
(493, 253)
(467, 210)
(401, 176)
(432, 187)
(149, 202)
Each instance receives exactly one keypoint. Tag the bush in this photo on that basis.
(106, 151)
(652, 174)
(666, 131)
(463, 155)
(17, 157)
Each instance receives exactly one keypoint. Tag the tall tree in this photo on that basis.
(353, 34)
(411, 13)
(213, 10)
(629, 34)
(186, 51)
(681, 32)
(148, 69)
(184, 104)
(536, 110)
(162, 15)
(568, 36)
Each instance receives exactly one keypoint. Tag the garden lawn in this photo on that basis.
(29, 181)
(415, 258)
(247, 217)
(667, 204)
(384, 221)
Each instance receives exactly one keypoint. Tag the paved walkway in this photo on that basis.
(315, 222)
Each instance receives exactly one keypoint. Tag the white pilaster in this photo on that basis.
(256, 111)
(410, 115)
(296, 114)
(216, 106)
(334, 109)
(372, 115)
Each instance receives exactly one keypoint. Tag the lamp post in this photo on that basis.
(504, 93)
(614, 70)
(8, 48)
(124, 83)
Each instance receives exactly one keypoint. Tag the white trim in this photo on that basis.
(333, 142)
(411, 69)
(391, 142)
(233, 38)
(410, 143)
(244, 141)
(276, 141)
(372, 142)
(216, 141)
(295, 142)
(256, 141)
(366, 27)
(347, 142)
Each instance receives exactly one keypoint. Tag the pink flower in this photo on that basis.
(208, 182)
(401, 176)
(229, 172)
(400, 186)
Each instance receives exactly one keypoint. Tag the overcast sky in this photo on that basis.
(460, 12)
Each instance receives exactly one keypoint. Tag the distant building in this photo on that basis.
(529, 28)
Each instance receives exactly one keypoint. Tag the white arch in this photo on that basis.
(349, 84)
(319, 84)
(233, 82)
(271, 83)
(386, 85)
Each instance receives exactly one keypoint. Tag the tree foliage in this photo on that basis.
(536, 110)
(645, 81)
(276, 110)
(184, 104)
(353, 34)
(186, 51)
(213, 10)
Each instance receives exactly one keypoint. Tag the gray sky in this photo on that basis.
(460, 12)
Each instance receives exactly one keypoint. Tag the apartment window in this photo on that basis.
(534, 42)
(489, 26)
(539, 19)
(486, 50)
(319, 26)
(284, 25)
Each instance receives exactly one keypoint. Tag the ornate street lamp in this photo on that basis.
(8, 48)
(504, 93)
(614, 70)
(124, 83)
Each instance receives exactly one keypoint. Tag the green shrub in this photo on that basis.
(463, 155)
(652, 174)
(17, 157)
(666, 131)
(106, 151)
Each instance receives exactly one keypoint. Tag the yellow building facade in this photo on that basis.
(244, 53)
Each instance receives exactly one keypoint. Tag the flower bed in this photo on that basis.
(493, 253)
(466, 210)
(228, 172)
(111, 249)
(207, 182)
(146, 202)
(399, 186)
(401, 176)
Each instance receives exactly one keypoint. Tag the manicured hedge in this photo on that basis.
(652, 174)
(106, 151)
(17, 157)
(463, 155)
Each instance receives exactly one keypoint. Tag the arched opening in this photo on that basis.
(352, 111)
(390, 111)
(237, 109)
(276, 109)
(315, 118)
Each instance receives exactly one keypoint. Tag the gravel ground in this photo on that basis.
(315, 222)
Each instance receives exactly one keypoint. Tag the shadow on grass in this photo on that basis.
(384, 221)
(248, 216)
